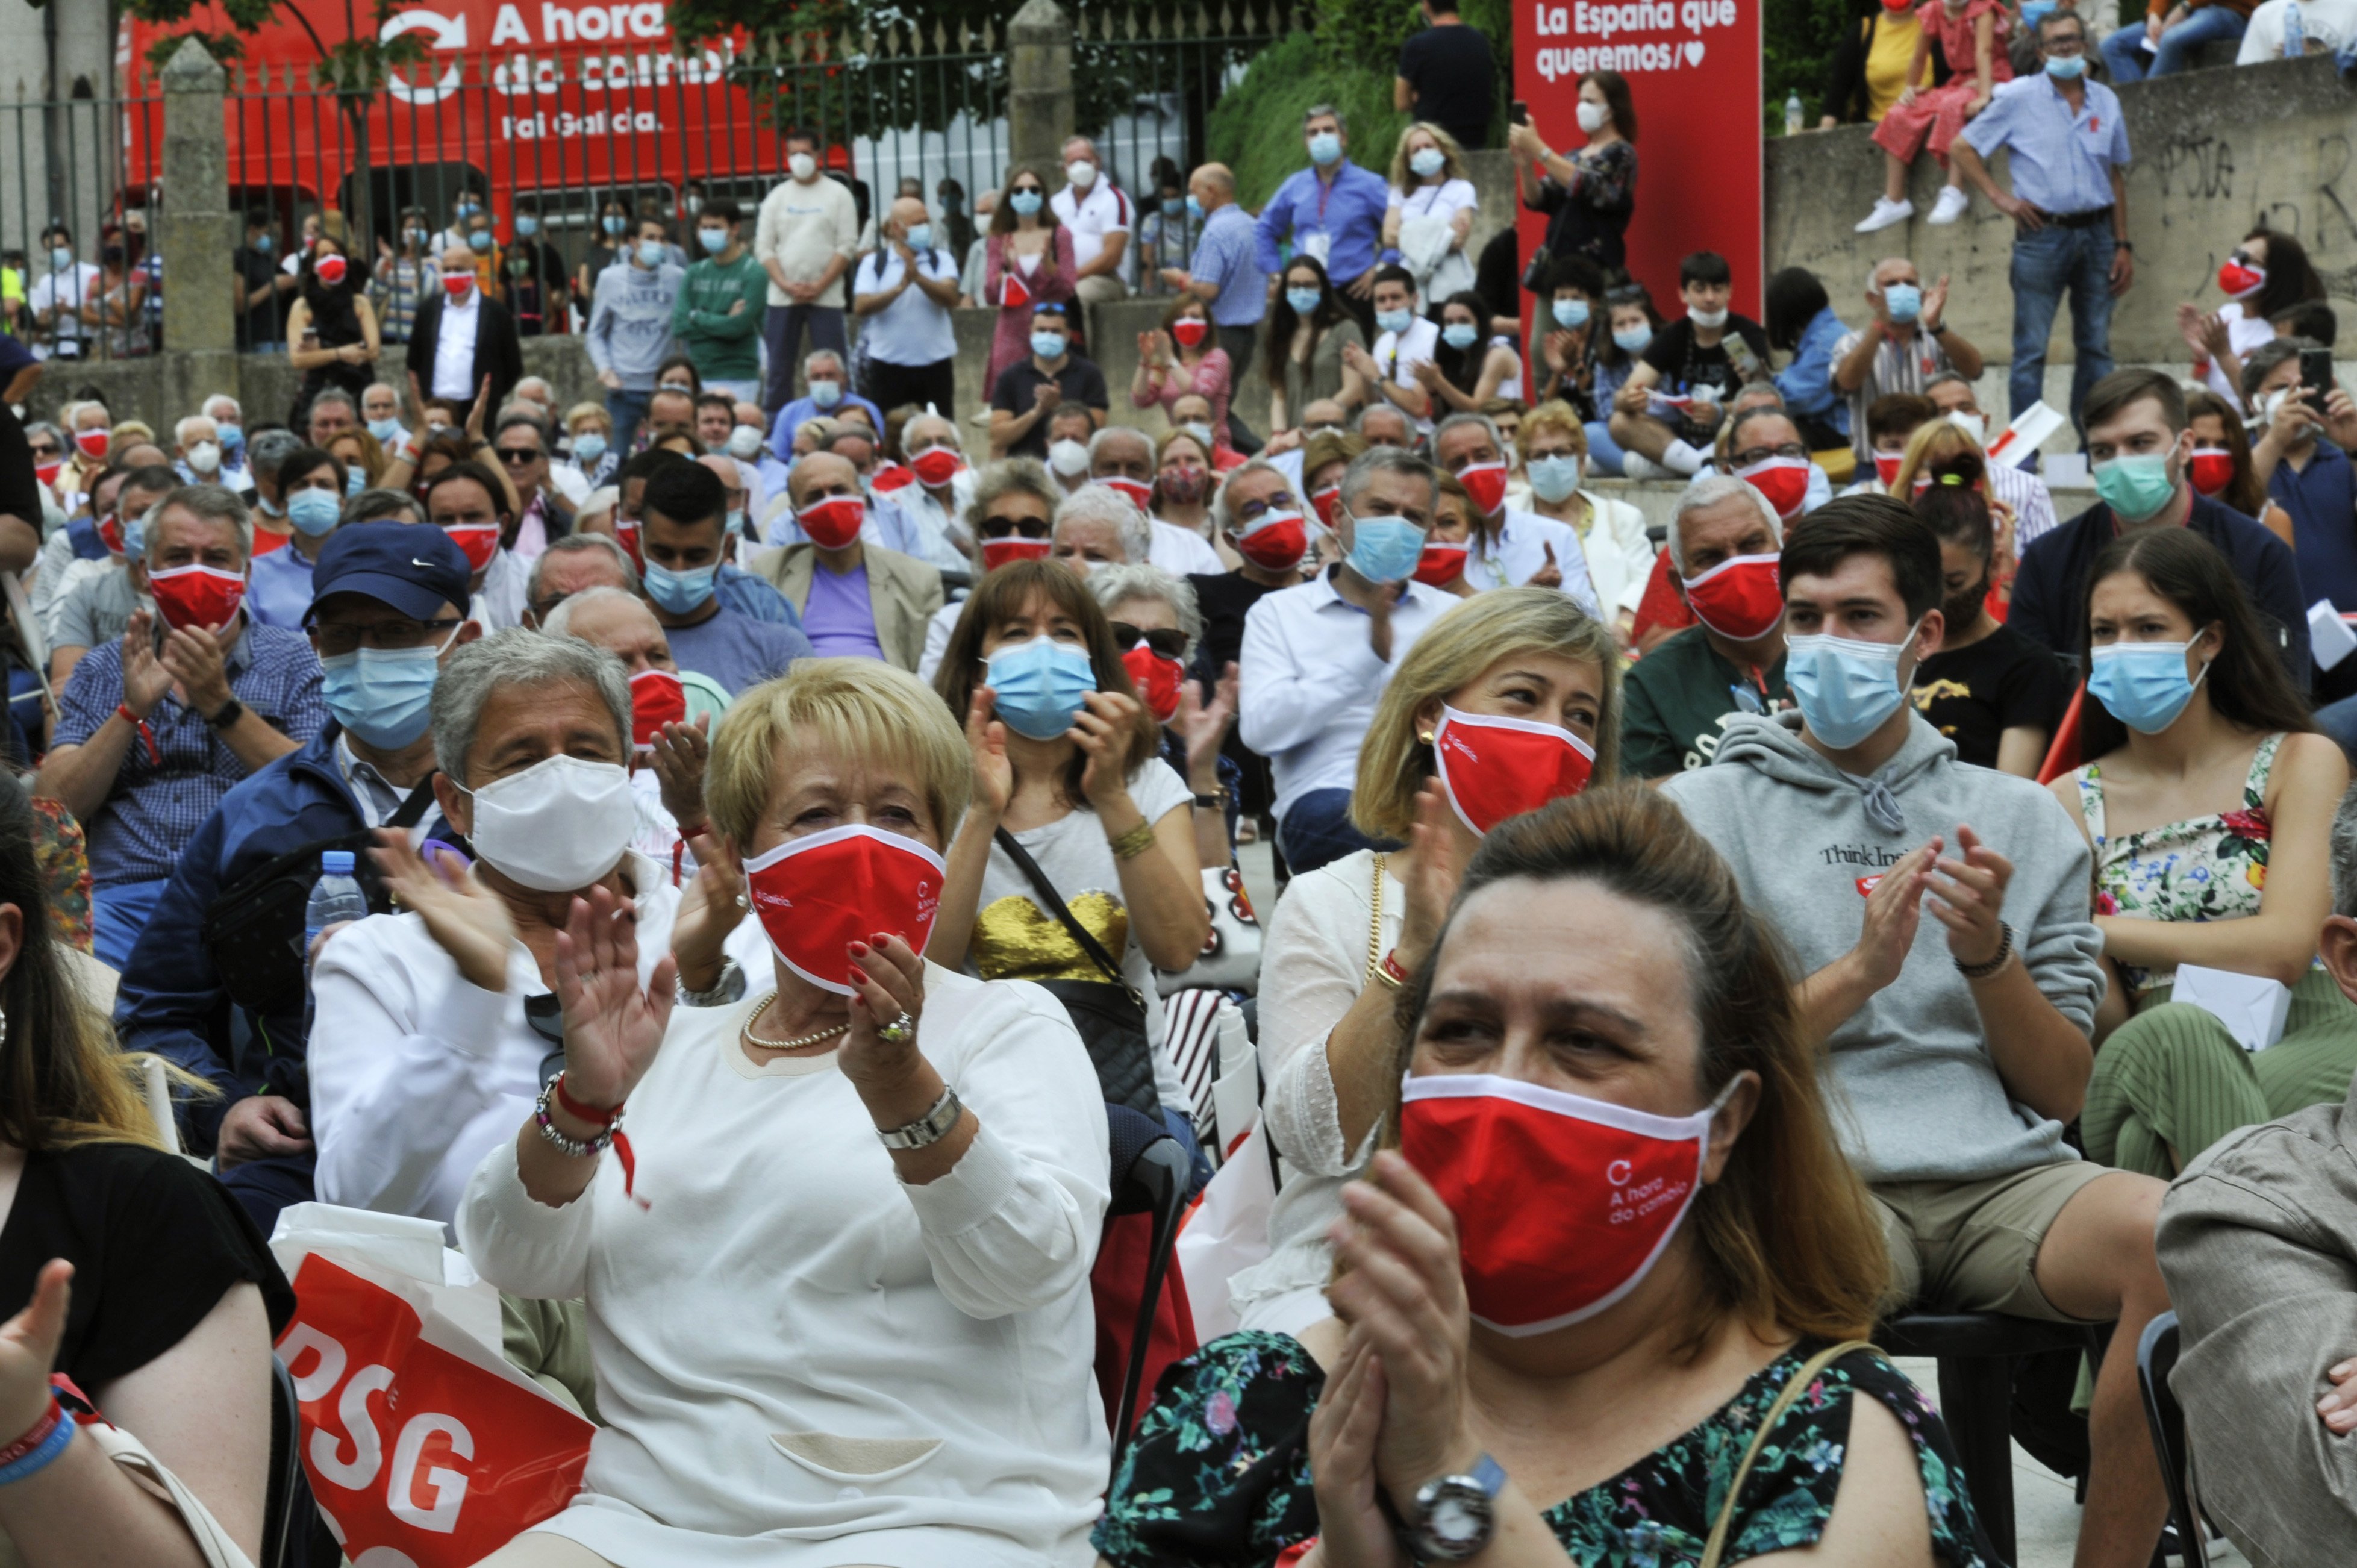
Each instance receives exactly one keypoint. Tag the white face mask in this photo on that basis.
(1082, 173)
(1972, 425)
(1068, 458)
(744, 443)
(1714, 319)
(557, 826)
(204, 458)
(801, 166)
(1592, 117)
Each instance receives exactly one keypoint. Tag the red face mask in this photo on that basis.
(1441, 562)
(818, 895)
(1783, 480)
(1189, 330)
(890, 477)
(1563, 1203)
(2211, 470)
(1499, 767)
(110, 528)
(457, 285)
(656, 699)
(1139, 492)
(1323, 503)
(625, 534)
(94, 442)
(47, 472)
(1486, 483)
(1276, 542)
(1156, 679)
(197, 596)
(1740, 598)
(834, 522)
(1897, 6)
(479, 541)
(937, 465)
(997, 552)
(330, 270)
(1886, 468)
(2236, 280)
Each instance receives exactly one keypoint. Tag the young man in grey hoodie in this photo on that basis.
(629, 333)
(1957, 1046)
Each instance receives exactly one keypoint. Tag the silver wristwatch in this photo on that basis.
(729, 987)
(931, 1128)
(1454, 1516)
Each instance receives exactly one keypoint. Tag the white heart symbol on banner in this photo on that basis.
(1693, 52)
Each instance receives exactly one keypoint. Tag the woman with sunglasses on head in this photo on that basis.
(1180, 358)
(1308, 331)
(331, 331)
(2222, 466)
(1012, 517)
(2209, 797)
(1027, 262)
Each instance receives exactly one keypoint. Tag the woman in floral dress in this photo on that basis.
(2207, 776)
(1611, 1270)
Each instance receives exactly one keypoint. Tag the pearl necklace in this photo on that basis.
(753, 1041)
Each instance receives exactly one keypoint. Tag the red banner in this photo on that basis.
(415, 1452)
(1692, 68)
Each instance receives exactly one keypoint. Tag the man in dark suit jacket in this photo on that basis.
(463, 314)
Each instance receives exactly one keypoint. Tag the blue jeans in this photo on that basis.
(118, 913)
(628, 410)
(781, 335)
(1603, 452)
(263, 1186)
(2047, 264)
(2124, 51)
(1317, 828)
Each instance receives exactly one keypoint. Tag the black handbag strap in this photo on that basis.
(1054, 902)
(413, 810)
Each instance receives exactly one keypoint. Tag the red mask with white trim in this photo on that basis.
(1486, 483)
(937, 465)
(1156, 679)
(2211, 470)
(1274, 541)
(1783, 480)
(1441, 562)
(197, 596)
(656, 699)
(479, 540)
(1139, 492)
(1741, 597)
(1189, 330)
(997, 552)
(1494, 767)
(817, 895)
(834, 522)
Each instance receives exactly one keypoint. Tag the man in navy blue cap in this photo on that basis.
(217, 982)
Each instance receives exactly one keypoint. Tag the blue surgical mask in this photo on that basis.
(134, 538)
(2034, 12)
(826, 394)
(2135, 485)
(589, 446)
(679, 591)
(1048, 345)
(385, 429)
(1040, 685)
(1633, 339)
(481, 240)
(2066, 68)
(737, 520)
(527, 226)
(1904, 301)
(1393, 320)
(1554, 475)
(1303, 300)
(1425, 162)
(1194, 207)
(1460, 334)
(313, 512)
(262, 244)
(233, 437)
(1846, 689)
(1325, 147)
(1386, 549)
(355, 481)
(1025, 202)
(652, 252)
(613, 224)
(1571, 314)
(714, 241)
(61, 258)
(384, 695)
(920, 237)
(2142, 684)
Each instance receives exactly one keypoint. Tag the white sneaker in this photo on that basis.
(1885, 212)
(1953, 204)
(1637, 466)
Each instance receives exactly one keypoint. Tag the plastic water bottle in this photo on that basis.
(336, 897)
(1792, 115)
(2295, 31)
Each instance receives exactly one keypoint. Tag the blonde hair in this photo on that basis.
(587, 411)
(1933, 441)
(1452, 156)
(1394, 761)
(1556, 415)
(854, 707)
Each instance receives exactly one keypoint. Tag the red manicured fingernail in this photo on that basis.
(859, 974)
(859, 947)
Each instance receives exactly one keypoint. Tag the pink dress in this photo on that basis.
(1012, 340)
(1938, 112)
(1211, 378)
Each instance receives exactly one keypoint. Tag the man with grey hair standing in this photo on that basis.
(153, 730)
(1723, 544)
(1101, 218)
(1316, 658)
(1332, 210)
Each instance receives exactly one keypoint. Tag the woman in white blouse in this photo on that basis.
(1620, 556)
(1431, 210)
(836, 1276)
(1330, 1047)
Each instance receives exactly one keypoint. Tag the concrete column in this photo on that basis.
(196, 233)
(1039, 109)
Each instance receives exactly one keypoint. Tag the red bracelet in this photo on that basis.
(581, 1113)
(154, 757)
(1391, 966)
(35, 1438)
(694, 830)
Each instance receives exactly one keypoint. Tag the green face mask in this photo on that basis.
(2136, 486)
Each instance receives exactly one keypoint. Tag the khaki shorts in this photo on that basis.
(1972, 1246)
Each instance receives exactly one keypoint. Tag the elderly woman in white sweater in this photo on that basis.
(836, 1275)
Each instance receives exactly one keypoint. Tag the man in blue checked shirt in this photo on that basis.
(153, 730)
(1226, 275)
(1333, 211)
(2070, 205)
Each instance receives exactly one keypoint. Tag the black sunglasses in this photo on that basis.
(512, 455)
(1167, 642)
(1002, 527)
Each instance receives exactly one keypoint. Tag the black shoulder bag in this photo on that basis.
(253, 931)
(1110, 1015)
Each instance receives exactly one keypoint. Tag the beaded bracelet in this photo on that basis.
(572, 1148)
(38, 1449)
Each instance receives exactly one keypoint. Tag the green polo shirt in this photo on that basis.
(1676, 702)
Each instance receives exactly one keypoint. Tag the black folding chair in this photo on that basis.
(288, 1510)
(1150, 1176)
(2156, 1360)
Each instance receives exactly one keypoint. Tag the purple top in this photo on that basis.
(838, 620)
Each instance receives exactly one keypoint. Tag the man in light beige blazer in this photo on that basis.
(902, 592)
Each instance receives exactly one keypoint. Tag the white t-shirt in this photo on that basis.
(1104, 210)
(2331, 23)
(1398, 353)
(1442, 201)
(67, 291)
(1016, 938)
(912, 329)
(2245, 332)
(1180, 550)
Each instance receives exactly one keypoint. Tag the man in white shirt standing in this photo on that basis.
(61, 288)
(805, 239)
(1316, 658)
(1100, 218)
(903, 292)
